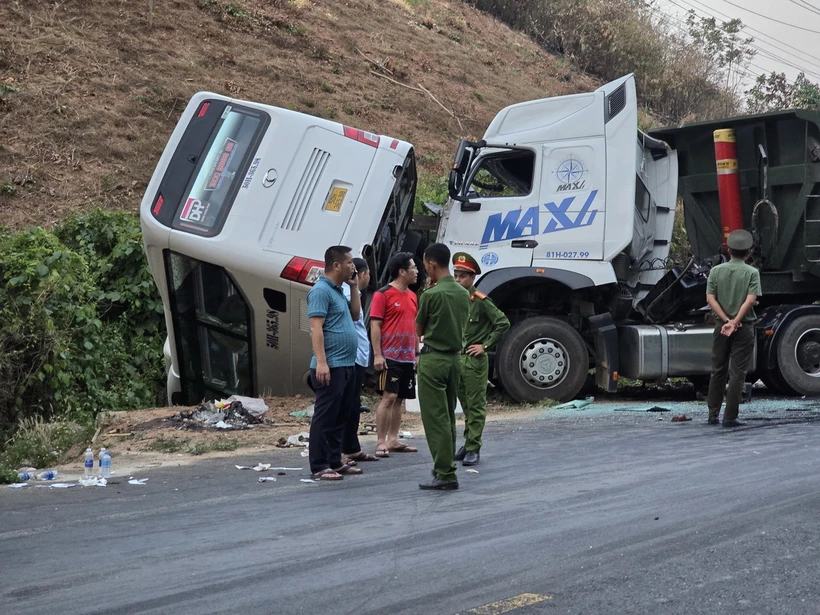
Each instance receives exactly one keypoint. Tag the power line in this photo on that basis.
(805, 6)
(761, 40)
(785, 23)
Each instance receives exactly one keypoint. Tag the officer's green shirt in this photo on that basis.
(731, 283)
(443, 312)
(487, 324)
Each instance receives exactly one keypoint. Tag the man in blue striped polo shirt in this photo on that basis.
(334, 340)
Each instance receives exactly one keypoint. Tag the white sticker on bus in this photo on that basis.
(194, 210)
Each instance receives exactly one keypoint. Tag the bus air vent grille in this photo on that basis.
(304, 321)
(295, 214)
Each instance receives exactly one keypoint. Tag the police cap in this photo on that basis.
(465, 262)
(740, 240)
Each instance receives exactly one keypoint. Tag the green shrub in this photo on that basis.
(81, 322)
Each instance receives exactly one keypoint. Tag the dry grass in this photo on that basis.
(90, 92)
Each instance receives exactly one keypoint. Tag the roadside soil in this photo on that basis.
(141, 440)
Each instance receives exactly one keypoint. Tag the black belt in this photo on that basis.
(428, 350)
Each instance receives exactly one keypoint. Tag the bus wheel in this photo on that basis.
(798, 355)
(541, 358)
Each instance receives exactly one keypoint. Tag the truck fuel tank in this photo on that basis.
(657, 352)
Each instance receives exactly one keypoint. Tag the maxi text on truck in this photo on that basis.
(570, 211)
(236, 218)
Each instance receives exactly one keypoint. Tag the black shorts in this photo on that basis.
(398, 378)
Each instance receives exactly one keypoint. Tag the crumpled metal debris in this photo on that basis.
(219, 415)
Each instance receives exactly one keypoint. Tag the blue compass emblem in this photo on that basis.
(570, 171)
(571, 175)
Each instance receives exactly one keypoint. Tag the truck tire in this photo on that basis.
(540, 358)
(798, 355)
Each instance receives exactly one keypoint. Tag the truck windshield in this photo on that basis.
(212, 330)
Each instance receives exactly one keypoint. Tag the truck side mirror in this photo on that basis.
(468, 205)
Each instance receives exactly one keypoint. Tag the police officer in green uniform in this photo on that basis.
(441, 319)
(731, 291)
(485, 328)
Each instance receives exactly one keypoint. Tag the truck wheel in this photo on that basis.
(798, 355)
(543, 357)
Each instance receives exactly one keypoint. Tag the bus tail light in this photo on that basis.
(203, 109)
(361, 136)
(303, 270)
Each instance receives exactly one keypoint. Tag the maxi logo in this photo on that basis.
(527, 223)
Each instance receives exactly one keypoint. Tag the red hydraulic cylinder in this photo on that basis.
(731, 213)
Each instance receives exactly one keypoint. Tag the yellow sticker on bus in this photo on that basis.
(335, 200)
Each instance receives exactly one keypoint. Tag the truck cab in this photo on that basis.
(569, 209)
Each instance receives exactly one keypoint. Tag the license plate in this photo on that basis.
(337, 197)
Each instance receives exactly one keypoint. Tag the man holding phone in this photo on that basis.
(332, 371)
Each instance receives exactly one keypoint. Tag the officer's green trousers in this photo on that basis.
(438, 377)
(472, 393)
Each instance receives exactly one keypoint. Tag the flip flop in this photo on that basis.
(327, 474)
(382, 453)
(348, 469)
(403, 448)
(361, 456)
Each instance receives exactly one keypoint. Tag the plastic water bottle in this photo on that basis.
(105, 464)
(100, 458)
(89, 463)
(25, 476)
(48, 475)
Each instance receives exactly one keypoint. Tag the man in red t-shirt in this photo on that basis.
(395, 347)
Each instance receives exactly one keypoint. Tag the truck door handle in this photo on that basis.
(470, 206)
(524, 243)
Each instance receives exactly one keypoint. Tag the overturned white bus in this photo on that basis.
(236, 218)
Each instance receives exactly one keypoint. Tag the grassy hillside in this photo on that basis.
(91, 90)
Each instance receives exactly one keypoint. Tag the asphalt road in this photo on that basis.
(579, 512)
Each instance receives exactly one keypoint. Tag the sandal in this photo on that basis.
(403, 448)
(360, 456)
(382, 453)
(327, 474)
(348, 469)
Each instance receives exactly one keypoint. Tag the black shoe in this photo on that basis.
(732, 423)
(471, 458)
(712, 421)
(441, 485)
(460, 453)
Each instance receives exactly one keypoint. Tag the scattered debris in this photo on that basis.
(255, 406)
(61, 485)
(262, 467)
(267, 479)
(219, 415)
(92, 481)
(307, 480)
(300, 439)
(405, 434)
(576, 404)
(472, 471)
(137, 481)
(642, 409)
(680, 418)
(303, 414)
(18, 485)
(304, 453)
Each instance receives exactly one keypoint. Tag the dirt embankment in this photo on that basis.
(91, 91)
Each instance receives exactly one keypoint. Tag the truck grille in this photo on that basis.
(304, 193)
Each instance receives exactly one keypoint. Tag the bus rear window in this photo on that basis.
(221, 170)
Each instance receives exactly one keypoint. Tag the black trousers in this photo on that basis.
(350, 441)
(330, 413)
(731, 357)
